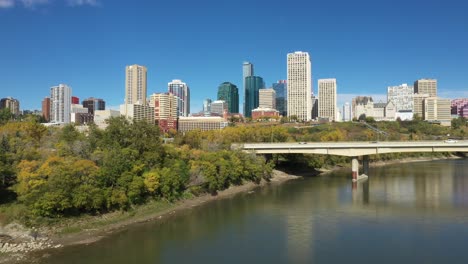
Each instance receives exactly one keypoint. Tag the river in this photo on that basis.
(404, 213)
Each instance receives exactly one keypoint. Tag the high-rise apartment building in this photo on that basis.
(426, 86)
(252, 85)
(94, 104)
(135, 84)
(138, 112)
(267, 98)
(280, 88)
(437, 109)
(401, 96)
(12, 104)
(247, 70)
(60, 104)
(327, 99)
(182, 91)
(165, 110)
(229, 93)
(299, 85)
(46, 109)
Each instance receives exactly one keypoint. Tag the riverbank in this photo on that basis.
(22, 245)
(29, 246)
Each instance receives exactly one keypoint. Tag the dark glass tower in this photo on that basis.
(252, 85)
(229, 93)
(94, 104)
(281, 96)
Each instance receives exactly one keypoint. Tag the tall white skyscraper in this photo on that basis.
(327, 99)
(247, 70)
(182, 91)
(60, 104)
(299, 85)
(135, 84)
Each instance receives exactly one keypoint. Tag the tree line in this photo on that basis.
(63, 172)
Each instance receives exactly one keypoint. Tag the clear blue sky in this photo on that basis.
(366, 45)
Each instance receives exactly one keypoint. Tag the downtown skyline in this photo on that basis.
(366, 50)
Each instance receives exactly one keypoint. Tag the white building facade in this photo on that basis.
(299, 85)
(401, 96)
(60, 104)
(267, 98)
(327, 99)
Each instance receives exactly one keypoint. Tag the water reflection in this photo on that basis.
(404, 213)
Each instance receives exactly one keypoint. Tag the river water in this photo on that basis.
(404, 213)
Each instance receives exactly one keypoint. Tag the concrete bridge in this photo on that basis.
(354, 149)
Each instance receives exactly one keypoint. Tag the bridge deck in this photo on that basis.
(352, 149)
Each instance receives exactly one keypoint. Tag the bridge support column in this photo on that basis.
(355, 168)
(365, 165)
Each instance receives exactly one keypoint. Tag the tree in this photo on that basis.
(5, 115)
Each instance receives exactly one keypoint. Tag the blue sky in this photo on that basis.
(366, 45)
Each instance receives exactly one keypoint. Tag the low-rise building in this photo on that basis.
(261, 112)
(100, 117)
(459, 107)
(363, 105)
(201, 123)
(390, 111)
(379, 111)
(437, 109)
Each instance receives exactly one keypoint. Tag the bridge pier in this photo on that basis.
(355, 168)
(365, 164)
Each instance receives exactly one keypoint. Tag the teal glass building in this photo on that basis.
(229, 93)
(252, 85)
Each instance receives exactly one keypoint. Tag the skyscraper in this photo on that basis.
(60, 104)
(281, 96)
(299, 85)
(135, 84)
(207, 106)
(327, 99)
(182, 91)
(252, 85)
(426, 86)
(247, 70)
(346, 112)
(94, 104)
(229, 93)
